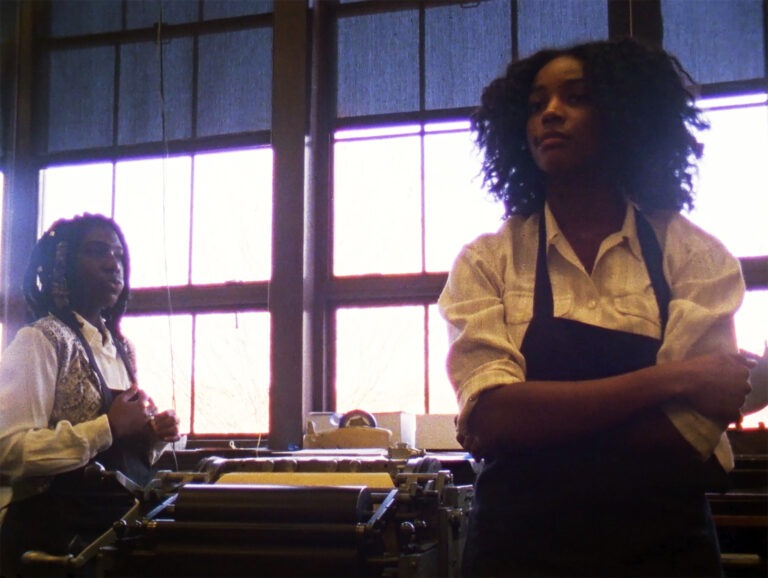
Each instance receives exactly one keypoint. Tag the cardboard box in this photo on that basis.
(436, 432)
(401, 424)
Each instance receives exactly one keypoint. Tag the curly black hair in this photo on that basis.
(39, 278)
(646, 114)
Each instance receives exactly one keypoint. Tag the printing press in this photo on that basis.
(317, 513)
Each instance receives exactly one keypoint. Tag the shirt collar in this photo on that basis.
(95, 336)
(627, 234)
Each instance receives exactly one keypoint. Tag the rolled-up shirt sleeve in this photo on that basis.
(707, 290)
(28, 446)
(481, 355)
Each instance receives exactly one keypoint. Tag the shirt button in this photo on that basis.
(592, 303)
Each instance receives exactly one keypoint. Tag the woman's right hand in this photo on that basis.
(128, 412)
(717, 384)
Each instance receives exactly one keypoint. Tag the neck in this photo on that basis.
(94, 318)
(585, 204)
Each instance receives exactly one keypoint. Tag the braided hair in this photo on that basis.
(646, 116)
(51, 273)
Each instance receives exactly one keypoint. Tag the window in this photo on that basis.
(419, 190)
(213, 368)
(731, 203)
(135, 117)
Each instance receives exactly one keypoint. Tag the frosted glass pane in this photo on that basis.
(163, 347)
(380, 359)
(152, 206)
(457, 207)
(442, 398)
(71, 190)
(377, 206)
(232, 223)
(733, 176)
(232, 373)
(752, 334)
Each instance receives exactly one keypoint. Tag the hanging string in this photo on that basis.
(165, 160)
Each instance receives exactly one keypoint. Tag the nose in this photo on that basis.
(112, 261)
(553, 111)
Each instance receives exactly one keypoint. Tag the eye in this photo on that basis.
(101, 251)
(579, 98)
(536, 105)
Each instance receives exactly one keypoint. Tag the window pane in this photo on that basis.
(81, 98)
(232, 223)
(457, 209)
(152, 206)
(232, 373)
(378, 63)
(751, 324)
(2, 204)
(145, 13)
(377, 206)
(733, 176)
(549, 23)
(71, 190)
(2, 194)
(233, 8)
(716, 40)
(235, 97)
(75, 17)
(143, 107)
(466, 46)
(380, 359)
(442, 398)
(163, 347)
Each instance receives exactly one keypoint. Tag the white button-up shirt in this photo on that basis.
(488, 303)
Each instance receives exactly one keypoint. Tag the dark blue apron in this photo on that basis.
(590, 507)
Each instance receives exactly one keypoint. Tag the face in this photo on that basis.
(562, 124)
(100, 272)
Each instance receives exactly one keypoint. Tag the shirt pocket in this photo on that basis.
(642, 310)
(518, 308)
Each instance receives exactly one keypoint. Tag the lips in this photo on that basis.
(551, 139)
(115, 285)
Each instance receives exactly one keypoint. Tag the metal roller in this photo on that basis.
(280, 504)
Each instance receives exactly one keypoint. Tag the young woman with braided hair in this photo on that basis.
(69, 395)
(592, 343)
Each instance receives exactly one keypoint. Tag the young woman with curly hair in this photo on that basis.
(592, 343)
(69, 396)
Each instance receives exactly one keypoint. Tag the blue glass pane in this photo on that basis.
(716, 40)
(466, 47)
(235, 93)
(145, 13)
(213, 9)
(143, 104)
(555, 23)
(378, 63)
(76, 17)
(81, 98)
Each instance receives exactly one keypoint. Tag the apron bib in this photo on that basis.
(590, 508)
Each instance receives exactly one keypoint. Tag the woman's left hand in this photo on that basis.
(165, 426)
